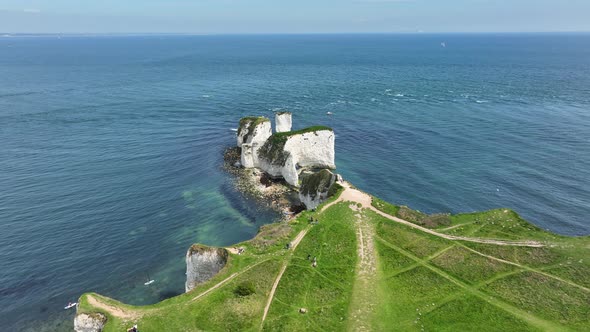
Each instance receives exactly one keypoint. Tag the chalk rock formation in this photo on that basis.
(315, 187)
(202, 263)
(89, 322)
(286, 154)
(252, 133)
(283, 122)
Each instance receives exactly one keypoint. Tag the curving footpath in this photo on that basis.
(115, 311)
(357, 196)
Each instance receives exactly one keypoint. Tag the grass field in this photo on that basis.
(374, 273)
(324, 291)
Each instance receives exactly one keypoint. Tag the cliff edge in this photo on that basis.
(203, 263)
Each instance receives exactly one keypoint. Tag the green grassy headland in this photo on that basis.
(376, 274)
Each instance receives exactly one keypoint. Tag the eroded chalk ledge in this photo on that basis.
(203, 263)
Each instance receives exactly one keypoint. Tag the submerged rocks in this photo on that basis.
(202, 263)
(89, 322)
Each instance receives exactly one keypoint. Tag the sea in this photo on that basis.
(111, 146)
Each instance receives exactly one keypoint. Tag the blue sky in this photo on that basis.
(292, 16)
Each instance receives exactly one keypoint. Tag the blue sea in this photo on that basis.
(111, 146)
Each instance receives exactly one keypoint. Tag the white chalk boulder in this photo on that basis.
(89, 322)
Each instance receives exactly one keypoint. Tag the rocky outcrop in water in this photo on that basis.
(283, 122)
(202, 263)
(89, 322)
(286, 154)
(252, 134)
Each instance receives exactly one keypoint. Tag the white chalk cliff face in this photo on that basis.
(252, 133)
(92, 322)
(286, 153)
(202, 263)
(283, 122)
(313, 149)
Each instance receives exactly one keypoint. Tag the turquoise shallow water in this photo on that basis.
(111, 146)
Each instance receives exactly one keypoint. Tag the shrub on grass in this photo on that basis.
(245, 288)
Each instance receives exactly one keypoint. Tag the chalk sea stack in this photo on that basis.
(283, 122)
(289, 154)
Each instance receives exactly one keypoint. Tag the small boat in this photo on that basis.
(329, 113)
(234, 129)
(150, 281)
(70, 305)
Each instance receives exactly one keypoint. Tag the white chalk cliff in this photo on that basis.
(285, 154)
(283, 122)
(90, 322)
(252, 134)
(202, 263)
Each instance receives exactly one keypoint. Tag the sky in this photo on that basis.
(292, 16)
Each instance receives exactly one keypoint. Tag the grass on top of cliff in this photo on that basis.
(216, 305)
(430, 283)
(418, 282)
(312, 129)
(250, 122)
(273, 149)
(503, 224)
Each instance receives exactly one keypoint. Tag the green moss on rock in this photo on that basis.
(314, 183)
(249, 123)
(273, 149)
(200, 248)
(335, 188)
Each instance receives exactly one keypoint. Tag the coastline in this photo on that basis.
(348, 198)
(333, 232)
(435, 149)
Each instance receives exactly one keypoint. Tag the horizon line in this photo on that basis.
(15, 34)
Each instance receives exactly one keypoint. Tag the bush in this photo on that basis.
(245, 288)
(419, 218)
